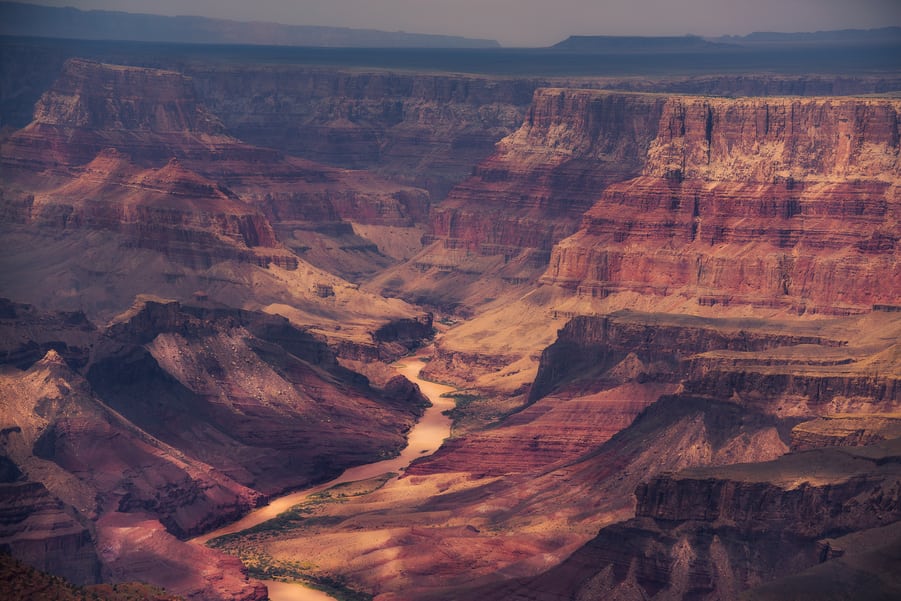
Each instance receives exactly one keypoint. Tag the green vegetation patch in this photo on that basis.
(250, 545)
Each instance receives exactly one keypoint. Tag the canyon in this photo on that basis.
(665, 309)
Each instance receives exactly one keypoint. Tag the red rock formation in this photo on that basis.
(135, 547)
(845, 431)
(180, 410)
(113, 178)
(94, 462)
(664, 347)
(260, 400)
(533, 191)
(424, 129)
(775, 202)
(151, 116)
(33, 521)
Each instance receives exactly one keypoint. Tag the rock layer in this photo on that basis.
(183, 419)
(786, 203)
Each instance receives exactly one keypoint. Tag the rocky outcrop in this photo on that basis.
(102, 183)
(78, 461)
(33, 521)
(276, 409)
(845, 431)
(28, 334)
(533, 191)
(171, 210)
(769, 202)
(153, 555)
(710, 533)
(588, 346)
(182, 410)
(493, 234)
(424, 129)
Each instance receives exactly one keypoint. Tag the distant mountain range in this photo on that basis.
(21, 19)
(693, 43)
(609, 43)
(884, 35)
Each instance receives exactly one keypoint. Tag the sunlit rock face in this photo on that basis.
(178, 420)
(124, 170)
(776, 202)
(533, 191)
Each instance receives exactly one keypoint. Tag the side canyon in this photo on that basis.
(669, 308)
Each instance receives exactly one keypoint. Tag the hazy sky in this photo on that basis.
(534, 22)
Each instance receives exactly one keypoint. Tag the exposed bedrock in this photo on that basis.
(423, 129)
(665, 347)
(187, 418)
(845, 431)
(77, 461)
(789, 203)
(42, 531)
(532, 192)
(263, 401)
(710, 533)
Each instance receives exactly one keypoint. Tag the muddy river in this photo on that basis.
(424, 439)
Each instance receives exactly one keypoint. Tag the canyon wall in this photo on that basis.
(713, 533)
(125, 165)
(176, 421)
(533, 191)
(423, 129)
(778, 202)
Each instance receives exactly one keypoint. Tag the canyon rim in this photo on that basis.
(660, 278)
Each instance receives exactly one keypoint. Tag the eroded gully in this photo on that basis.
(423, 439)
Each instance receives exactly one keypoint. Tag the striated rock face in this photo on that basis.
(423, 129)
(710, 533)
(78, 460)
(185, 419)
(124, 170)
(171, 210)
(587, 347)
(845, 431)
(28, 334)
(258, 399)
(695, 531)
(153, 115)
(782, 202)
(33, 521)
(533, 191)
(495, 231)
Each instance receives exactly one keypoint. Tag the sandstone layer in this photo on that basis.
(772, 202)
(180, 420)
(123, 170)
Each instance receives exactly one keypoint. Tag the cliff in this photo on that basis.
(123, 170)
(666, 347)
(712, 533)
(182, 419)
(769, 202)
(423, 129)
(495, 230)
(570, 146)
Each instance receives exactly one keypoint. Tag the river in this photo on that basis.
(424, 439)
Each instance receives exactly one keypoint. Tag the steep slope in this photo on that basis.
(502, 222)
(183, 419)
(124, 171)
(749, 206)
(773, 202)
(710, 533)
(619, 400)
(80, 461)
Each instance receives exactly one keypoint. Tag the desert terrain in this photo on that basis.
(566, 323)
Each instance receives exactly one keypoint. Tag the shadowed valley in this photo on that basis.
(667, 303)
